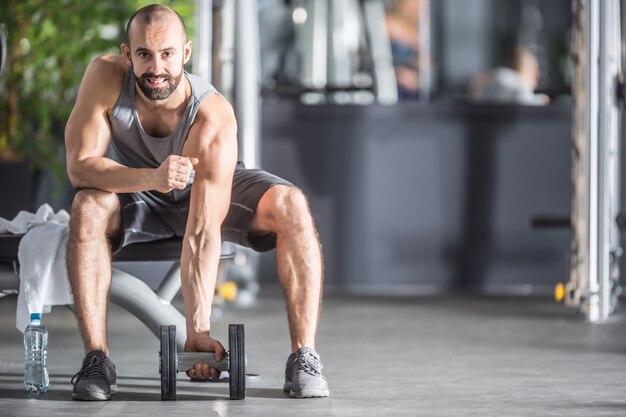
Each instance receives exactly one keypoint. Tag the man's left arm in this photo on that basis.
(213, 140)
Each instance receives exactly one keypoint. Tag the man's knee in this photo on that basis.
(288, 206)
(94, 209)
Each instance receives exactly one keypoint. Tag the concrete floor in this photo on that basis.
(434, 356)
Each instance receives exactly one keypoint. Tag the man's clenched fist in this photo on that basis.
(174, 173)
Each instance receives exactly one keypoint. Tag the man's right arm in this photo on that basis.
(88, 132)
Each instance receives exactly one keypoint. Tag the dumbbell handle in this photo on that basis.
(186, 360)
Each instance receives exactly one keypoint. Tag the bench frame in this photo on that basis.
(152, 307)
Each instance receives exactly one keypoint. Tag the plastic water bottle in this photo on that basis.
(36, 355)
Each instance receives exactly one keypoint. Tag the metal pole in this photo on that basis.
(224, 48)
(343, 43)
(312, 41)
(202, 47)
(594, 269)
(242, 16)
(610, 133)
(247, 75)
(384, 74)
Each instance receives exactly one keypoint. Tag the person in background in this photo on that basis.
(403, 18)
(513, 83)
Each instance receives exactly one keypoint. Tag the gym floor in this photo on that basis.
(430, 356)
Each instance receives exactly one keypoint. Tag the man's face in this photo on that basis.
(157, 54)
(158, 86)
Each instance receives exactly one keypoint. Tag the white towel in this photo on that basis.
(43, 267)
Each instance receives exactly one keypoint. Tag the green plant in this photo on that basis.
(50, 43)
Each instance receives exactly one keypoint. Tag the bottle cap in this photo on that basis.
(35, 316)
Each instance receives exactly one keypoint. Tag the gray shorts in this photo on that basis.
(149, 216)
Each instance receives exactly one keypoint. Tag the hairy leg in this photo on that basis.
(284, 211)
(95, 218)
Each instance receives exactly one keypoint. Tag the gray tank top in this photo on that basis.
(131, 146)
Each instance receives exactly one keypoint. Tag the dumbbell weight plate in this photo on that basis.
(168, 366)
(236, 359)
(237, 355)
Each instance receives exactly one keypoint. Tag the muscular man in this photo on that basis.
(152, 153)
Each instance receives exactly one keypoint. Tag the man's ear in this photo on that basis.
(126, 53)
(187, 52)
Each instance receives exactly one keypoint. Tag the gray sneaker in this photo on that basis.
(303, 376)
(96, 380)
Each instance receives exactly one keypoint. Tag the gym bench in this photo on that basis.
(152, 308)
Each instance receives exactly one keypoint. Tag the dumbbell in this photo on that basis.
(170, 362)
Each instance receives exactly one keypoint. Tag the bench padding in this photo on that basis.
(161, 250)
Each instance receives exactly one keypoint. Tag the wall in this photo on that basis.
(426, 199)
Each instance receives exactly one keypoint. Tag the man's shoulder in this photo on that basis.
(104, 78)
(214, 108)
(112, 66)
(215, 114)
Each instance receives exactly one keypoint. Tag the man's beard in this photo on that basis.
(158, 93)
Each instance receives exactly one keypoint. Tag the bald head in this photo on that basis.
(154, 14)
(157, 50)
